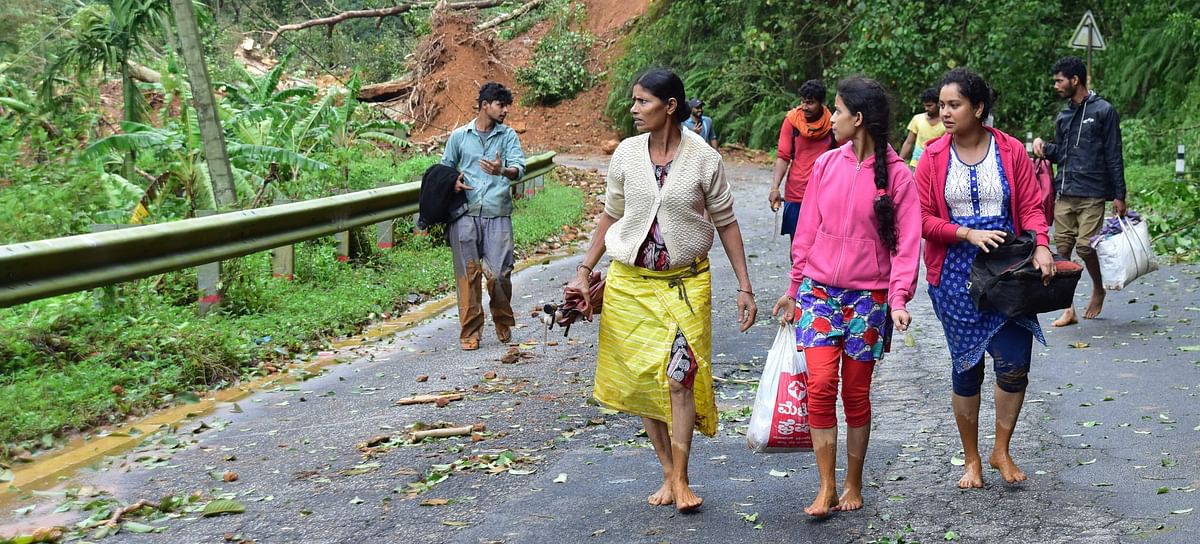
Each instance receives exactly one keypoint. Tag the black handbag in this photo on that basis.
(1005, 280)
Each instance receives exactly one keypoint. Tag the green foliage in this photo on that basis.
(905, 46)
(60, 358)
(746, 60)
(558, 69)
(516, 27)
(1173, 208)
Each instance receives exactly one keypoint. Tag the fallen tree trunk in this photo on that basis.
(501, 19)
(333, 20)
(143, 73)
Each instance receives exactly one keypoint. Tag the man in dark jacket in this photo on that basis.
(1091, 171)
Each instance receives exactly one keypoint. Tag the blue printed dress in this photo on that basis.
(978, 197)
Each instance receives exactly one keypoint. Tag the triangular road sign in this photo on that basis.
(1080, 39)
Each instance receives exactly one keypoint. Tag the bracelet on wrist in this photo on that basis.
(581, 265)
(751, 293)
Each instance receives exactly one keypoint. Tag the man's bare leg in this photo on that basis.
(966, 415)
(825, 448)
(683, 415)
(1068, 317)
(660, 436)
(1092, 263)
(1008, 410)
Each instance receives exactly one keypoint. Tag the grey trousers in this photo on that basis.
(483, 249)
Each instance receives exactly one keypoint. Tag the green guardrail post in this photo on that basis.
(385, 231)
(283, 258)
(107, 295)
(208, 280)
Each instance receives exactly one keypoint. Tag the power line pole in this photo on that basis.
(206, 106)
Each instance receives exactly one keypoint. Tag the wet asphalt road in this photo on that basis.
(1111, 421)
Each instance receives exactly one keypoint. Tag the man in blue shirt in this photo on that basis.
(488, 155)
(701, 124)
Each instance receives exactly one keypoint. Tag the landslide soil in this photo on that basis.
(468, 58)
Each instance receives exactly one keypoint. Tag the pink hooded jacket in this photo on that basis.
(837, 237)
(1027, 201)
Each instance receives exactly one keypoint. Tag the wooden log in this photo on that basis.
(448, 432)
(428, 399)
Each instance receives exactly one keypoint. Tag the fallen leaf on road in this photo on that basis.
(1183, 511)
(456, 523)
(958, 461)
(777, 474)
(1080, 345)
(356, 500)
(221, 507)
(1088, 462)
(561, 479)
(1163, 489)
(1188, 348)
(435, 502)
(598, 532)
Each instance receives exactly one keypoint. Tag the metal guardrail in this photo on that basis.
(45, 268)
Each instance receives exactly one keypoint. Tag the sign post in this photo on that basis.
(1087, 36)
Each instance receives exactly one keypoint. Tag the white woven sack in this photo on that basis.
(1125, 256)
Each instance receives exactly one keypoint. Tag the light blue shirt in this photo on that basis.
(489, 195)
(707, 132)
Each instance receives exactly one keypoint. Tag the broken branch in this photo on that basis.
(503, 18)
(426, 399)
(447, 432)
(333, 20)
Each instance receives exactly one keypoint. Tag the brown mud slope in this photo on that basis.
(455, 60)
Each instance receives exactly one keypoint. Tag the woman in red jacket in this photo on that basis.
(977, 184)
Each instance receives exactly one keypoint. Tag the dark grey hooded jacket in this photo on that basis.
(1087, 149)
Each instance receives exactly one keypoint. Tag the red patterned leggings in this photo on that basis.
(823, 387)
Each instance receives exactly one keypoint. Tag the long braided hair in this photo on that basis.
(868, 97)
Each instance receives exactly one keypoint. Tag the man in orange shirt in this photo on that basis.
(804, 136)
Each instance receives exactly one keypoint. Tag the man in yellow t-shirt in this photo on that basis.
(923, 127)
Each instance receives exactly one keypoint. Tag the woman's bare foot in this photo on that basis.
(825, 502)
(851, 499)
(662, 496)
(1008, 469)
(1067, 318)
(1094, 305)
(685, 499)
(972, 475)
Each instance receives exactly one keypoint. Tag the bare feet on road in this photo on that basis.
(1067, 318)
(685, 499)
(1094, 305)
(824, 503)
(972, 475)
(1008, 469)
(662, 496)
(851, 499)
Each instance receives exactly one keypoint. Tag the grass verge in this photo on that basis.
(70, 364)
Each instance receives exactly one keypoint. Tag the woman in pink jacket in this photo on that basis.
(977, 184)
(855, 259)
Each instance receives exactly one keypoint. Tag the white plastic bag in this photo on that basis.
(779, 420)
(1125, 256)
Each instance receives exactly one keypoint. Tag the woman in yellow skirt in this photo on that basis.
(666, 198)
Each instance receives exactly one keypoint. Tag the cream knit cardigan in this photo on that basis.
(694, 198)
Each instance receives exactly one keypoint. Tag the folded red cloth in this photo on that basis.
(574, 307)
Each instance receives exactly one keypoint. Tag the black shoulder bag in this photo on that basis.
(1005, 280)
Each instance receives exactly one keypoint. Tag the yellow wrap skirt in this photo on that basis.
(642, 310)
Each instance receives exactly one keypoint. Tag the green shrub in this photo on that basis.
(558, 70)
